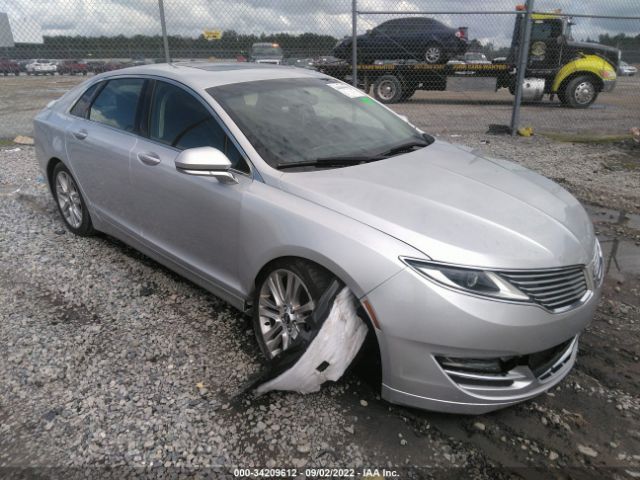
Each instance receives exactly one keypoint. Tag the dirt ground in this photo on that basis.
(108, 359)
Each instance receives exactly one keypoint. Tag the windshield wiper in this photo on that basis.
(338, 161)
(405, 146)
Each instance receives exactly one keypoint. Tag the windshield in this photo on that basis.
(310, 119)
(264, 50)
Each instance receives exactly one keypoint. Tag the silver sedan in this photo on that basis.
(265, 184)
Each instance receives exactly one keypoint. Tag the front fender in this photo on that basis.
(278, 224)
(587, 63)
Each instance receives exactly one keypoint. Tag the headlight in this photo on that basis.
(597, 267)
(470, 280)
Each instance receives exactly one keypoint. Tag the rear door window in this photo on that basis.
(116, 105)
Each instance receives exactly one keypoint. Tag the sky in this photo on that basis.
(332, 17)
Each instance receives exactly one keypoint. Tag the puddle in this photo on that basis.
(621, 256)
(609, 215)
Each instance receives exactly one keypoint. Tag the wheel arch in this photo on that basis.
(582, 73)
(51, 165)
(372, 342)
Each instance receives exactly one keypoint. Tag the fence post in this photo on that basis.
(523, 58)
(163, 25)
(354, 42)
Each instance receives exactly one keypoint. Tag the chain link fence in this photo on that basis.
(449, 66)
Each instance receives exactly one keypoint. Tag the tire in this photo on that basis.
(388, 89)
(75, 215)
(434, 54)
(407, 93)
(5, 73)
(272, 334)
(562, 97)
(580, 92)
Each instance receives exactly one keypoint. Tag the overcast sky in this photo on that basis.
(333, 17)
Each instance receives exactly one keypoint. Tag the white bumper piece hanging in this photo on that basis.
(329, 354)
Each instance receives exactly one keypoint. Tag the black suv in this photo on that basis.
(413, 38)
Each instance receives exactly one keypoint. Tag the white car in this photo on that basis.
(624, 69)
(41, 67)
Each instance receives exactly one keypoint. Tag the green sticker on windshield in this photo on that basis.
(366, 100)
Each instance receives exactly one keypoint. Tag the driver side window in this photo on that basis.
(180, 120)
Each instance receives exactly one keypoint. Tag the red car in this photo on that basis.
(9, 66)
(73, 67)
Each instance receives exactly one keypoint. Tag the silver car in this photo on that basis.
(263, 184)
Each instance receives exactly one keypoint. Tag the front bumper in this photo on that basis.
(420, 320)
(608, 85)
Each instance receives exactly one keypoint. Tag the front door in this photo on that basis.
(546, 44)
(191, 220)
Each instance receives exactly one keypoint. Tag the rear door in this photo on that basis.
(191, 220)
(100, 142)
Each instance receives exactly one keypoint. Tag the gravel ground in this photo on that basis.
(109, 360)
(468, 105)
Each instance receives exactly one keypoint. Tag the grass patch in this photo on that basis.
(5, 142)
(586, 137)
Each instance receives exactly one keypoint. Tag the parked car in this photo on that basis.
(299, 62)
(476, 58)
(418, 38)
(9, 67)
(73, 67)
(41, 67)
(624, 69)
(262, 52)
(266, 184)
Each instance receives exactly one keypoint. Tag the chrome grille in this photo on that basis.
(554, 289)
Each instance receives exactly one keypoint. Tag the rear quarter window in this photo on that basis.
(81, 107)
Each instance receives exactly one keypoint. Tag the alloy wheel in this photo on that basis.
(433, 54)
(284, 307)
(386, 90)
(69, 199)
(584, 93)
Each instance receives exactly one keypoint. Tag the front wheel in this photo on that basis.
(71, 205)
(388, 89)
(284, 299)
(579, 92)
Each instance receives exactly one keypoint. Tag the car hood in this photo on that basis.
(457, 207)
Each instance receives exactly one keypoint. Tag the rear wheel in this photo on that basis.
(284, 299)
(71, 205)
(388, 89)
(434, 54)
(580, 92)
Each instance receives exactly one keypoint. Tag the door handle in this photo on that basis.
(149, 158)
(80, 134)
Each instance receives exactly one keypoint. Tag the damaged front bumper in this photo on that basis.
(446, 351)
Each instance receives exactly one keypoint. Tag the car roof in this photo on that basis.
(203, 75)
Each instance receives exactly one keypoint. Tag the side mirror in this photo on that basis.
(205, 161)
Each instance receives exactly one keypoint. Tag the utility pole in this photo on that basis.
(523, 58)
(163, 25)
(354, 42)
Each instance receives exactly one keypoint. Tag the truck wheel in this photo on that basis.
(580, 92)
(388, 89)
(434, 54)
